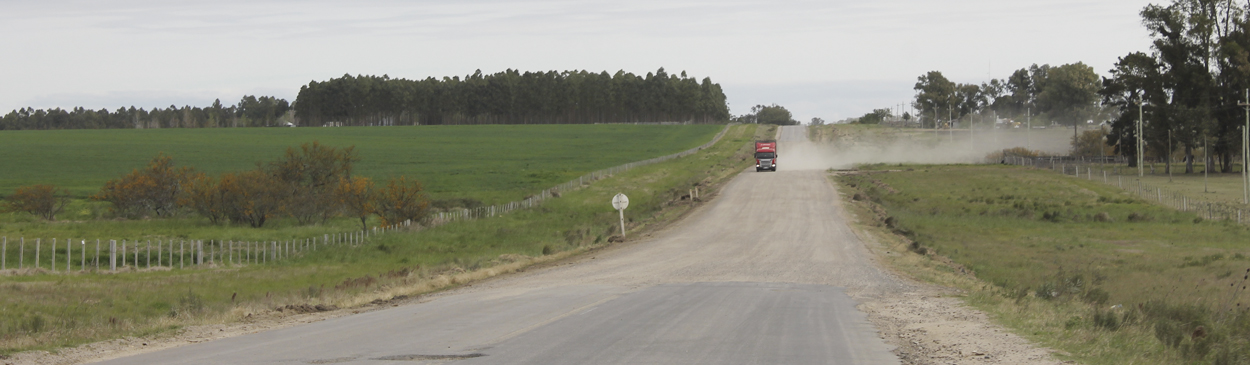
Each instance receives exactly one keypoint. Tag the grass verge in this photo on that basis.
(46, 312)
(1074, 265)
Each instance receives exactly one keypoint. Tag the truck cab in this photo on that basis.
(766, 155)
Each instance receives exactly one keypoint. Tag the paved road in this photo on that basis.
(758, 276)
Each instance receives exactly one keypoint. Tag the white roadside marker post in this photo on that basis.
(620, 202)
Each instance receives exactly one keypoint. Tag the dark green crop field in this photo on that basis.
(492, 163)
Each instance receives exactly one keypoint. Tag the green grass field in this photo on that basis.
(491, 163)
(1058, 253)
(50, 311)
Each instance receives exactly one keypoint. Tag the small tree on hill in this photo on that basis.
(44, 201)
(773, 114)
(875, 117)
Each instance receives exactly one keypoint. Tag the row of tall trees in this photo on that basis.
(1188, 85)
(251, 111)
(310, 184)
(1066, 94)
(512, 97)
(1185, 90)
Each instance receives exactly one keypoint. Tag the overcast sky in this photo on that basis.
(828, 59)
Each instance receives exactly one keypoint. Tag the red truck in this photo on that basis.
(766, 155)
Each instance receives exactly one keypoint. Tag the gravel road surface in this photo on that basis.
(766, 273)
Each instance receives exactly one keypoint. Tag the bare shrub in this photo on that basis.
(403, 199)
(154, 190)
(250, 197)
(310, 177)
(1138, 217)
(997, 156)
(44, 201)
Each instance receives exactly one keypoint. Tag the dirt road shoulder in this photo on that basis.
(929, 323)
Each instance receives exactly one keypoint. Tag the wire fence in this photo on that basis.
(82, 255)
(1112, 175)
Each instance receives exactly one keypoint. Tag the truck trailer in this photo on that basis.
(766, 155)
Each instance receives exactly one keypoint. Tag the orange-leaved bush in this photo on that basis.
(402, 200)
(358, 197)
(44, 201)
(156, 189)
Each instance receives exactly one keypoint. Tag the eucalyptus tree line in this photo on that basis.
(251, 111)
(512, 97)
(1065, 94)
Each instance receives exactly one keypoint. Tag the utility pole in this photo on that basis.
(1028, 128)
(1140, 150)
(935, 122)
(972, 143)
(950, 129)
(1245, 152)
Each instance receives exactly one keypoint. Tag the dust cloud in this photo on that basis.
(846, 147)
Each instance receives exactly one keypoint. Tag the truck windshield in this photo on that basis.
(759, 155)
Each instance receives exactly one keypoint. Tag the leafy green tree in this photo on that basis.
(773, 114)
(875, 117)
(969, 99)
(1135, 78)
(1188, 105)
(1071, 93)
(933, 92)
